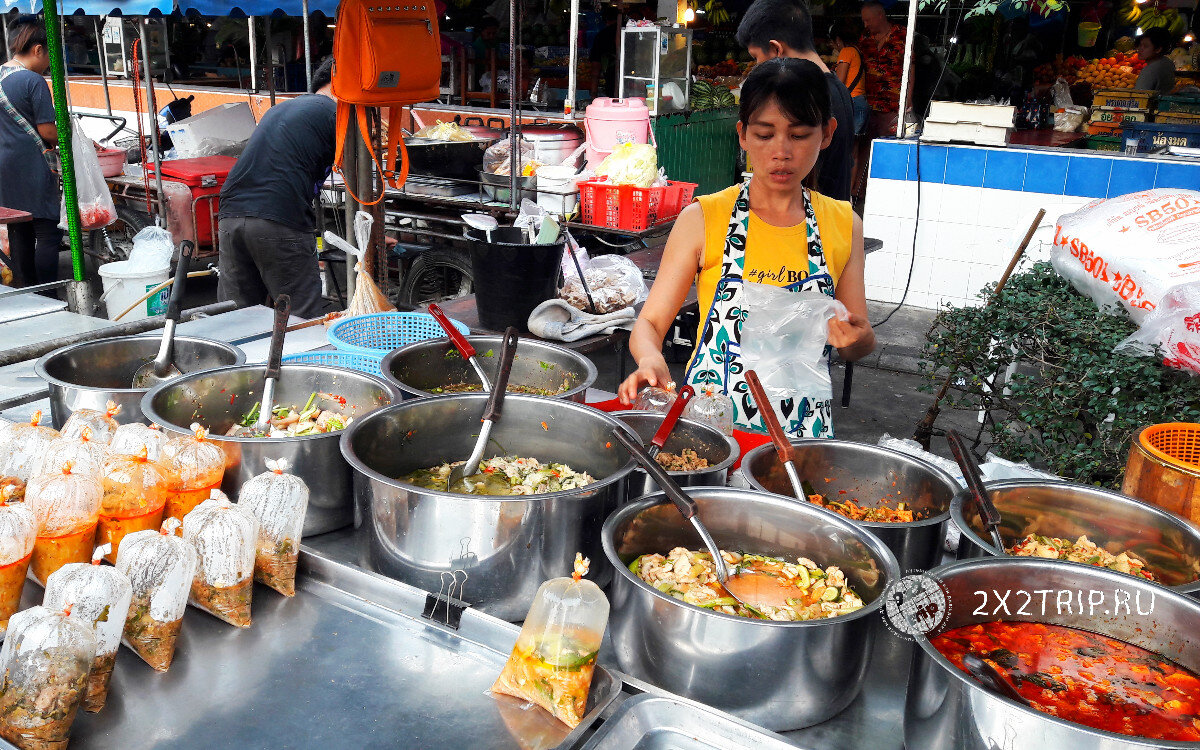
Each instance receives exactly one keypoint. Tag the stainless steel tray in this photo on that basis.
(652, 722)
(349, 662)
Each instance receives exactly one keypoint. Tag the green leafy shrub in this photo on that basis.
(1068, 404)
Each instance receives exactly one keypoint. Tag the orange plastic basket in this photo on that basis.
(1174, 443)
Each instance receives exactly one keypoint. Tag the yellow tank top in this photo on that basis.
(774, 255)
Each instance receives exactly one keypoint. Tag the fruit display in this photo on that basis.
(708, 96)
(1067, 69)
(1117, 71)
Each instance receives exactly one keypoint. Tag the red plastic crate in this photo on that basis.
(632, 208)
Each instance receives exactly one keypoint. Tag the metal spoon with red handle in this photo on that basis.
(783, 446)
(664, 430)
(460, 342)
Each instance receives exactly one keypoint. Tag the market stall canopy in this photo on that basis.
(99, 7)
(256, 7)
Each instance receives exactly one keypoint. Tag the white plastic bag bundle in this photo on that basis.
(279, 501)
(101, 423)
(784, 338)
(100, 596)
(225, 537)
(85, 455)
(96, 209)
(1172, 331)
(1128, 251)
(45, 661)
(160, 567)
(614, 281)
(132, 439)
(152, 249)
(26, 448)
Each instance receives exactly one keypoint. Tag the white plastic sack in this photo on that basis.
(1172, 331)
(96, 209)
(152, 249)
(1128, 251)
(614, 281)
(784, 337)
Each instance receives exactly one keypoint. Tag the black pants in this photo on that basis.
(33, 247)
(262, 259)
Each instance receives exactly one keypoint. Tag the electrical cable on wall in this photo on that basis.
(912, 262)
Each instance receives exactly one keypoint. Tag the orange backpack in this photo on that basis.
(384, 56)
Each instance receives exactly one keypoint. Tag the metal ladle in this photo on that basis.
(991, 679)
(491, 414)
(460, 342)
(803, 489)
(686, 505)
(261, 427)
(970, 469)
(163, 368)
(482, 222)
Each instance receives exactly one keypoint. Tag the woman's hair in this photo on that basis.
(24, 34)
(323, 75)
(798, 87)
(1160, 38)
(846, 30)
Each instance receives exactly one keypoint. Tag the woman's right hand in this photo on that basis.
(651, 371)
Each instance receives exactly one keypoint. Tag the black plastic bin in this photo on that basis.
(511, 276)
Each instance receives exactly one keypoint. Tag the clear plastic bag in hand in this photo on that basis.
(86, 455)
(18, 531)
(135, 492)
(67, 507)
(279, 501)
(26, 449)
(555, 654)
(225, 537)
(99, 596)
(45, 661)
(101, 423)
(784, 338)
(711, 407)
(160, 567)
(653, 398)
(129, 439)
(195, 467)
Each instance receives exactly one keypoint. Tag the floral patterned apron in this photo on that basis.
(717, 360)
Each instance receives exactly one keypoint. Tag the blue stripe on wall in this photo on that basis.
(1091, 175)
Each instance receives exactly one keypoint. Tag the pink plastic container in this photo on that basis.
(608, 122)
(112, 161)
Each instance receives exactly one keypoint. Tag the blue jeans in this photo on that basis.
(861, 110)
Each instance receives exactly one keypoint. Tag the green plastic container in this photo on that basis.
(1188, 104)
(1106, 143)
(699, 147)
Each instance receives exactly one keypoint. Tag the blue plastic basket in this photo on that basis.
(379, 333)
(361, 362)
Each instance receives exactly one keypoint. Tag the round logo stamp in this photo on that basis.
(917, 604)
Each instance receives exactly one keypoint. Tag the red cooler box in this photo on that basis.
(205, 176)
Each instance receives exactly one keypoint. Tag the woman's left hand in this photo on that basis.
(851, 333)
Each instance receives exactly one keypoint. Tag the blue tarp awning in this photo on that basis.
(98, 7)
(235, 8)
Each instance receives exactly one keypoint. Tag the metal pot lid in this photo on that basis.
(551, 132)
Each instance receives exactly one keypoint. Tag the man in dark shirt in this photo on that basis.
(268, 244)
(783, 28)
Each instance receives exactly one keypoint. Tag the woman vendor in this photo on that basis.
(770, 230)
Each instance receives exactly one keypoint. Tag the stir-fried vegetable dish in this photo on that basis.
(1082, 550)
(503, 475)
(685, 460)
(802, 590)
(512, 388)
(1086, 678)
(289, 421)
(902, 513)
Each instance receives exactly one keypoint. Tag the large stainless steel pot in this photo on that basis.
(1116, 522)
(709, 443)
(948, 710)
(218, 398)
(552, 142)
(781, 675)
(91, 374)
(505, 546)
(868, 474)
(418, 368)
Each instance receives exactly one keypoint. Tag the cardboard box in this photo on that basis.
(965, 132)
(991, 115)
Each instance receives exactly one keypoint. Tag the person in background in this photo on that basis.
(267, 224)
(851, 70)
(783, 28)
(770, 230)
(1159, 73)
(883, 49)
(27, 131)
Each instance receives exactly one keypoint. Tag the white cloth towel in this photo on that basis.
(555, 319)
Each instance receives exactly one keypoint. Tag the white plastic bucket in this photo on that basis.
(557, 189)
(124, 285)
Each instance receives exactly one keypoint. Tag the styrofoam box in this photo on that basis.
(964, 132)
(226, 122)
(994, 115)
